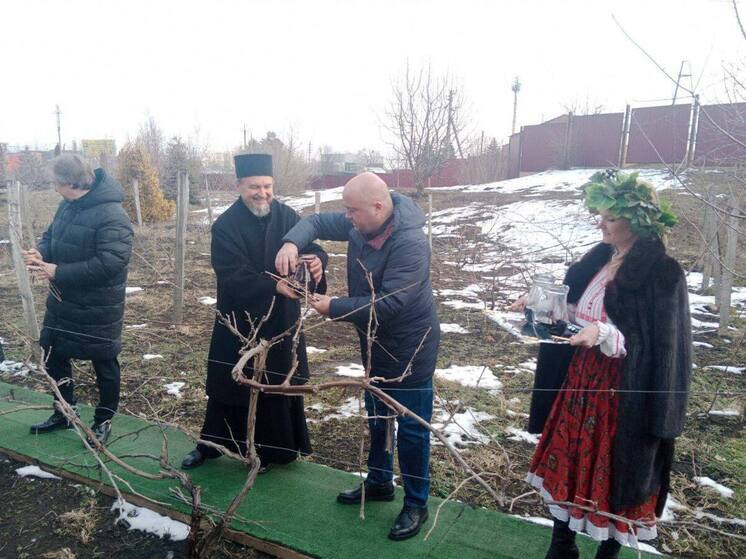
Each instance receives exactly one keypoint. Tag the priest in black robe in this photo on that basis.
(245, 240)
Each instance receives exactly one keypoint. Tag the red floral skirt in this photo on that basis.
(573, 460)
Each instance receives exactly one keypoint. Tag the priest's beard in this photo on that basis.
(260, 211)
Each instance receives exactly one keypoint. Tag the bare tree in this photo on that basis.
(426, 118)
(290, 164)
(150, 136)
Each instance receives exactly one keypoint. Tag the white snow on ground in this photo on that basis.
(462, 429)
(470, 375)
(521, 435)
(458, 304)
(725, 413)
(451, 328)
(702, 344)
(135, 326)
(736, 370)
(310, 350)
(470, 292)
(507, 321)
(174, 388)
(308, 198)
(349, 408)
(149, 356)
(130, 290)
(711, 483)
(351, 370)
(558, 181)
(4, 241)
(16, 368)
(207, 300)
(673, 507)
(146, 520)
(35, 471)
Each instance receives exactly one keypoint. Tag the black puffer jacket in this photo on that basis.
(90, 240)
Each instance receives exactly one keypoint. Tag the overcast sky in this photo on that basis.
(325, 67)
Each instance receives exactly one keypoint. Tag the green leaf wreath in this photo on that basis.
(622, 196)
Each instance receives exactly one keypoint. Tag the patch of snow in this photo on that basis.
(16, 368)
(521, 435)
(4, 241)
(470, 375)
(207, 300)
(541, 521)
(149, 356)
(174, 388)
(671, 508)
(712, 484)
(351, 370)
(702, 344)
(462, 429)
(452, 328)
(310, 350)
(512, 413)
(35, 471)
(349, 408)
(130, 290)
(135, 326)
(308, 198)
(458, 304)
(725, 413)
(727, 369)
(146, 520)
(699, 514)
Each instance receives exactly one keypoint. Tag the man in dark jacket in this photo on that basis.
(84, 255)
(385, 240)
(245, 240)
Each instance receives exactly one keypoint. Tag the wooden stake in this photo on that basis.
(726, 284)
(138, 211)
(207, 200)
(317, 202)
(182, 212)
(22, 277)
(430, 219)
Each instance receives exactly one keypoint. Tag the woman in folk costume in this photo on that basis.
(608, 441)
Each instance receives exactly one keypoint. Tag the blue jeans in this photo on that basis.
(412, 442)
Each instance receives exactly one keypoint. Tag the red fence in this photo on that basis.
(707, 134)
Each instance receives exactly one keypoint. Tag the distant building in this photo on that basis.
(94, 149)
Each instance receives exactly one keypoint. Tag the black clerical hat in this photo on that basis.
(253, 165)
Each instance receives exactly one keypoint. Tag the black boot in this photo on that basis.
(408, 523)
(193, 460)
(101, 431)
(55, 421)
(384, 492)
(563, 542)
(608, 549)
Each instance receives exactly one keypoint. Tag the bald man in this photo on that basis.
(385, 239)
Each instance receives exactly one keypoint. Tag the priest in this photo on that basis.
(245, 240)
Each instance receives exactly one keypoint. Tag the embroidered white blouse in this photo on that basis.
(590, 309)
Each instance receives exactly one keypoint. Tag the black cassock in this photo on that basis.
(243, 248)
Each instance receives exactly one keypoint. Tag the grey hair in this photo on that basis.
(73, 170)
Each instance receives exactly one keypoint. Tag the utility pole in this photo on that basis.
(452, 126)
(516, 87)
(59, 131)
(681, 76)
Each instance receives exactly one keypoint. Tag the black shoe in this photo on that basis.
(608, 549)
(193, 460)
(55, 421)
(408, 523)
(384, 492)
(264, 468)
(101, 431)
(563, 542)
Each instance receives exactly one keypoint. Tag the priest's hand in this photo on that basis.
(587, 337)
(321, 304)
(314, 266)
(285, 290)
(286, 259)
